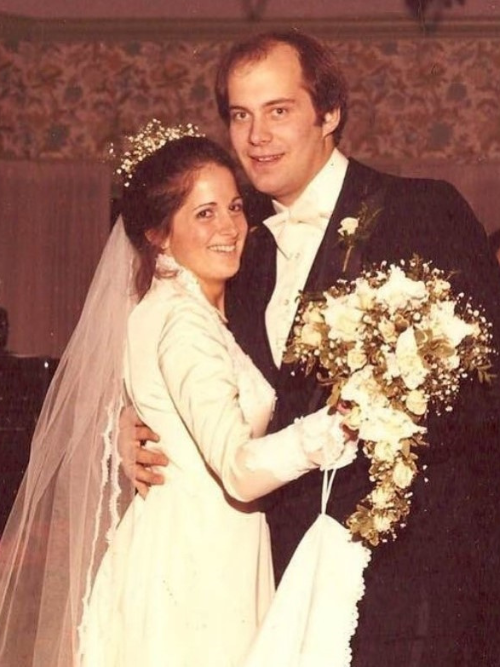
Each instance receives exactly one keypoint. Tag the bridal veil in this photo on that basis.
(71, 494)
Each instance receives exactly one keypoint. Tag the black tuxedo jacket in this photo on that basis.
(432, 596)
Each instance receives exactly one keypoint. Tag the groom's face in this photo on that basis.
(274, 127)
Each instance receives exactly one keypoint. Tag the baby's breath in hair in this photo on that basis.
(147, 141)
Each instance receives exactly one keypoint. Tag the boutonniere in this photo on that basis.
(353, 231)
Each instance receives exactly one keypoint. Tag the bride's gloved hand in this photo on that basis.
(316, 441)
(326, 441)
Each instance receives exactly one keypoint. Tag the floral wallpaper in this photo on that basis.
(410, 97)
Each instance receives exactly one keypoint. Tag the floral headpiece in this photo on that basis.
(147, 141)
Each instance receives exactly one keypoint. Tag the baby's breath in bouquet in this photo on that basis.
(392, 345)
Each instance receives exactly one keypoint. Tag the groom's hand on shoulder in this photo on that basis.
(137, 461)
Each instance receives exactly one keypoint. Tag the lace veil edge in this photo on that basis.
(72, 492)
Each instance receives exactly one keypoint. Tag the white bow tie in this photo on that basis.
(300, 213)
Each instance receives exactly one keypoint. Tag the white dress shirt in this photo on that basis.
(298, 231)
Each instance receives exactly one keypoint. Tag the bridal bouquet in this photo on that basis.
(391, 345)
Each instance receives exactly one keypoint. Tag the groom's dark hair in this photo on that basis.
(322, 76)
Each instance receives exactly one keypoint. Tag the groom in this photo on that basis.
(432, 596)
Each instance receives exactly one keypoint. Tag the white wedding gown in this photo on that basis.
(188, 576)
(187, 579)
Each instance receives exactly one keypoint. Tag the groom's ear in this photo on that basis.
(331, 121)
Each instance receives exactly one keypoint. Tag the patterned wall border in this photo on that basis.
(22, 28)
(411, 97)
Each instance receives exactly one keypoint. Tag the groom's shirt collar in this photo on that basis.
(298, 231)
(315, 205)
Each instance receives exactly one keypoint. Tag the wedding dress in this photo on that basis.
(184, 577)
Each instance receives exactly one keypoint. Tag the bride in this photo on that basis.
(91, 577)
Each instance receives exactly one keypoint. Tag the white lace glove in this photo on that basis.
(315, 441)
(325, 440)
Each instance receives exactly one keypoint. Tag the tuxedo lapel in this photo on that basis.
(250, 293)
(361, 186)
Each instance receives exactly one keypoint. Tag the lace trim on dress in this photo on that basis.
(314, 614)
(348, 588)
(169, 269)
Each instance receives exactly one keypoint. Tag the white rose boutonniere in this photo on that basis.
(348, 226)
(355, 230)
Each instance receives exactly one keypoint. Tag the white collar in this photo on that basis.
(318, 199)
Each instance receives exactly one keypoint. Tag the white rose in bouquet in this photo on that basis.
(362, 388)
(409, 360)
(352, 419)
(444, 323)
(365, 294)
(343, 319)
(310, 335)
(381, 523)
(381, 497)
(356, 359)
(313, 316)
(400, 291)
(402, 475)
(388, 330)
(416, 402)
(386, 451)
(386, 424)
